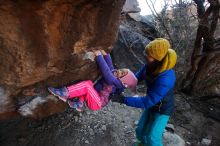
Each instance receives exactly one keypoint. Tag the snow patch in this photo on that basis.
(89, 55)
(27, 109)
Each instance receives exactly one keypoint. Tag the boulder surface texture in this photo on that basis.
(43, 43)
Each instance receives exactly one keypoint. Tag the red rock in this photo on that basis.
(42, 43)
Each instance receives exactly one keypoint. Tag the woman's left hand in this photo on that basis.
(117, 98)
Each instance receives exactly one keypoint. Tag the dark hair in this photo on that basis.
(151, 68)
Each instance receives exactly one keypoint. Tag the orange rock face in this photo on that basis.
(42, 43)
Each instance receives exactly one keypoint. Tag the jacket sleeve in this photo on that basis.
(140, 75)
(154, 94)
(107, 73)
(108, 60)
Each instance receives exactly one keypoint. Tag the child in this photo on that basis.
(97, 96)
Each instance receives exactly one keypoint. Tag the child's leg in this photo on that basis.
(79, 90)
(85, 91)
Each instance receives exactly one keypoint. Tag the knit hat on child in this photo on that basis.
(129, 80)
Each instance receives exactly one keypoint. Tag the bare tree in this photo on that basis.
(179, 26)
(177, 22)
(204, 76)
(160, 18)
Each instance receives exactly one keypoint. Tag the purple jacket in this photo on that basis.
(106, 67)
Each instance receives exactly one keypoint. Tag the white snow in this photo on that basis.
(27, 109)
(89, 55)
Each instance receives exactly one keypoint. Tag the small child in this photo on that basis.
(97, 96)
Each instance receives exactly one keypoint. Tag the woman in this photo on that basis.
(158, 104)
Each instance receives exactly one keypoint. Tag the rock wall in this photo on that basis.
(133, 36)
(43, 43)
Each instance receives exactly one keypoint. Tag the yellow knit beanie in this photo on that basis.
(168, 62)
(158, 48)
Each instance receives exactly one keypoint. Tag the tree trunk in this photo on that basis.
(204, 76)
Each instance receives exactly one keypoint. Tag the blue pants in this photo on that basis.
(149, 131)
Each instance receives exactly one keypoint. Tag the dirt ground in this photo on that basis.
(113, 125)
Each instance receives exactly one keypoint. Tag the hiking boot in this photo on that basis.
(77, 104)
(79, 109)
(61, 93)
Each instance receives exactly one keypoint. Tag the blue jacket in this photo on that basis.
(106, 68)
(159, 89)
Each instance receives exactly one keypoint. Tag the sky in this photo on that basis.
(145, 10)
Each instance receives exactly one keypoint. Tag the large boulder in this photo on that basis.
(129, 48)
(172, 139)
(131, 6)
(43, 43)
(133, 36)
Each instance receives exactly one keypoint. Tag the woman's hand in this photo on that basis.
(117, 98)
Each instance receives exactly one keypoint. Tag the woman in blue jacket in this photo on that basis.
(158, 104)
